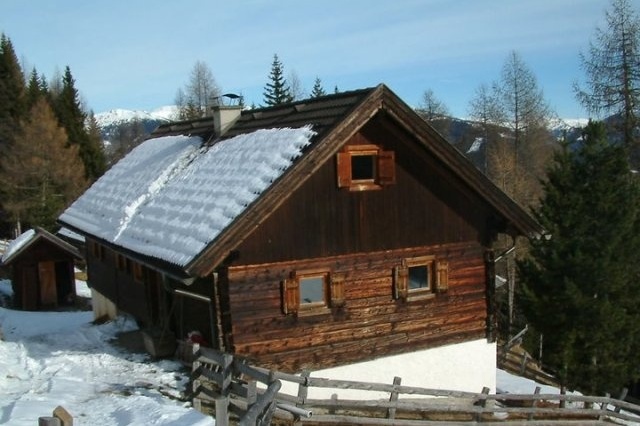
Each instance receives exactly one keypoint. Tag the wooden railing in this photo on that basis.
(229, 386)
(522, 364)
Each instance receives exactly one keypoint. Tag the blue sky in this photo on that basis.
(135, 54)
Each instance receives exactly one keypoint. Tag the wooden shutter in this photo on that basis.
(442, 276)
(386, 168)
(337, 290)
(401, 281)
(344, 169)
(291, 295)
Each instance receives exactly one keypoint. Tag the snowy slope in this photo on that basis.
(60, 358)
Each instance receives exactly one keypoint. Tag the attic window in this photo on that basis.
(365, 167)
(420, 277)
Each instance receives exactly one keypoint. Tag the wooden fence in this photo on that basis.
(522, 364)
(227, 388)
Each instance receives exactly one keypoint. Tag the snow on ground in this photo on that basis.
(60, 358)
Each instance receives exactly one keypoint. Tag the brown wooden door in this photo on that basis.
(47, 276)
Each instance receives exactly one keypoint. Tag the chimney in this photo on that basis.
(225, 113)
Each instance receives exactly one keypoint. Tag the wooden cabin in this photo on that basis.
(42, 270)
(359, 235)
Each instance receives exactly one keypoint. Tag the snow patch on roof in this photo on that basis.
(18, 243)
(170, 197)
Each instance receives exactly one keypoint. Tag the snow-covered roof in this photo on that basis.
(28, 238)
(171, 196)
(15, 245)
(68, 233)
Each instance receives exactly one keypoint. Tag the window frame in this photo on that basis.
(332, 291)
(438, 278)
(324, 281)
(383, 164)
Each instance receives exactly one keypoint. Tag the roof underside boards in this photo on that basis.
(171, 196)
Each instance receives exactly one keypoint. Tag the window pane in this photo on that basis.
(312, 290)
(418, 277)
(363, 167)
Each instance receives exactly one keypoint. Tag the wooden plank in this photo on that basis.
(47, 279)
(391, 412)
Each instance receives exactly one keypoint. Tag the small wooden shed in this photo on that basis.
(42, 270)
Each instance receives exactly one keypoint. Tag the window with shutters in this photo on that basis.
(365, 167)
(420, 277)
(309, 292)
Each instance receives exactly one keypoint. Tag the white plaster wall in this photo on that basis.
(467, 366)
(102, 306)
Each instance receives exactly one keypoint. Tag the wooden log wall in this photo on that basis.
(370, 324)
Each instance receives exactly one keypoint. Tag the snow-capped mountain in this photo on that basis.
(117, 116)
(110, 120)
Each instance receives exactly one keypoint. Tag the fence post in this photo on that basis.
(195, 382)
(603, 406)
(534, 402)
(334, 403)
(222, 413)
(391, 412)
(227, 373)
(482, 403)
(303, 388)
(622, 397)
(252, 393)
(65, 417)
(523, 366)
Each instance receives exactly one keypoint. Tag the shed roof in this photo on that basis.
(175, 223)
(28, 239)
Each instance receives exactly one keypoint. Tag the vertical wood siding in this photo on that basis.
(426, 206)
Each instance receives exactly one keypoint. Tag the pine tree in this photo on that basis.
(580, 286)
(317, 89)
(36, 88)
(277, 90)
(613, 71)
(73, 119)
(41, 173)
(12, 91)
